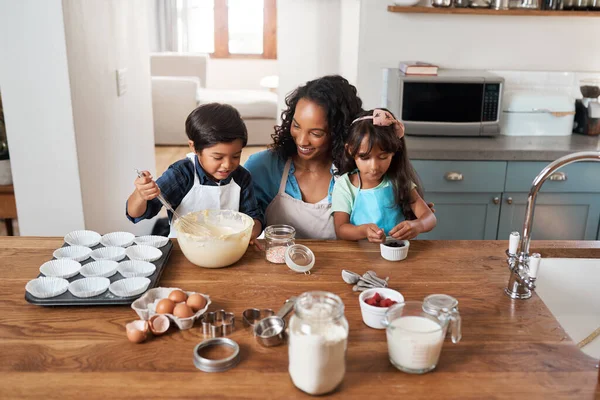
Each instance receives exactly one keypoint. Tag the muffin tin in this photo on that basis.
(107, 297)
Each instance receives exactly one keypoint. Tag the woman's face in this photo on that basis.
(310, 131)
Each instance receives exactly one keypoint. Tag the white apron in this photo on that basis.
(312, 221)
(204, 197)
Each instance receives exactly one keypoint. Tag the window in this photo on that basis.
(228, 28)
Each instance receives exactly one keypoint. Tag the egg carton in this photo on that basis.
(145, 306)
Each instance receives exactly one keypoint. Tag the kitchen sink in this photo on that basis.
(570, 288)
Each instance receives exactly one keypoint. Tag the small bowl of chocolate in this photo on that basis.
(394, 249)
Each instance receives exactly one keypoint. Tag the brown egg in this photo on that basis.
(165, 306)
(159, 324)
(182, 311)
(137, 331)
(178, 296)
(196, 302)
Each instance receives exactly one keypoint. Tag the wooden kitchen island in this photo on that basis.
(509, 350)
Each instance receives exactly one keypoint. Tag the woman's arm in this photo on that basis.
(347, 231)
(425, 221)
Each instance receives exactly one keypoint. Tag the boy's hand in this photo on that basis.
(145, 187)
(406, 230)
(374, 233)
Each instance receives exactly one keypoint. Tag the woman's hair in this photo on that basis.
(401, 172)
(214, 123)
(341, 103)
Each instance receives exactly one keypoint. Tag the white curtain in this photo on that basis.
(164, 26)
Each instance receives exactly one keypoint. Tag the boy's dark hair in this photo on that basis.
(401, 172)
(341, 103)
(214, 123)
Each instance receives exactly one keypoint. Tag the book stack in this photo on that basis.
(418, 68)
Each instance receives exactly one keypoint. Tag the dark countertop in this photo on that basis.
(499, 148)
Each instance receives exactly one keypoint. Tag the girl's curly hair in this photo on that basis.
(339, 99)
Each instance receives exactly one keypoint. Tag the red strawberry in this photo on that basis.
(377, 297)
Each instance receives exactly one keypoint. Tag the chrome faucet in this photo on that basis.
(523, 266)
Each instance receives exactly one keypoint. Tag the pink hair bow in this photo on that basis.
(384, 118)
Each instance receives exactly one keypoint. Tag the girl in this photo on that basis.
(378, 195)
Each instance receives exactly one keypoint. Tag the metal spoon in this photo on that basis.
(373, 276)
(352, 278)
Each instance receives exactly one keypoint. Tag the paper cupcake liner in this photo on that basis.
(89, 287)
(118, 239)
(129, 287)
(61, 268)
(77, 253)
(102, 268)
(143, 252)
(136, 268)
(83, 238)
(109, 253)
(152, 240)
(46, 287)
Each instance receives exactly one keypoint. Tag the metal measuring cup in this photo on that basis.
(270, 331)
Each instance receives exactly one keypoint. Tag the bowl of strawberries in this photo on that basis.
(375, 302)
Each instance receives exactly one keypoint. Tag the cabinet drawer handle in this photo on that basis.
(453, 176)
(509, 200)
(558, 177)
(496, 200)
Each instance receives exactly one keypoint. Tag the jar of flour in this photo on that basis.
(318, 338)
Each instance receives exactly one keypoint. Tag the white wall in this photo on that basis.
(238, 73)
(349, 36)
(308, 42)
(472, 42)
(39, 120)
(114, 134)
(73, 142)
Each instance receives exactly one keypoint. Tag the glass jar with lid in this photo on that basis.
(277, 239)
(318, 339)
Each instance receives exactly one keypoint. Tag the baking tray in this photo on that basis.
(106, 298)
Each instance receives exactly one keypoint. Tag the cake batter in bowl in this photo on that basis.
(224, 242)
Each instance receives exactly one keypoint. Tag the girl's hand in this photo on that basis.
(374, 233)
(406, 230)
(145, 187)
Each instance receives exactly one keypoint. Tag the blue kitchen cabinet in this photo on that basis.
(557, 216)
(567, 207)
(464, 216)
(467, 197)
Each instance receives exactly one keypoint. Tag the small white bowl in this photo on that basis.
(135, 268)
(77, 253)
(143, 252)
(118, 239)
(89, 287)
(102, 268)
(394, 253)
(83, 238)
(373, 316)
(152, 240)
(61, 268)
(47, 286)
(129, 287)
(109, 253)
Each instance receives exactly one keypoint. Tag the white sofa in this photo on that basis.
(178, 86)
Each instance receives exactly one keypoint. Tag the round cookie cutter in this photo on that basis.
(218, 365)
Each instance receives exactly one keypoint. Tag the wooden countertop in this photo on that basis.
(510, 349)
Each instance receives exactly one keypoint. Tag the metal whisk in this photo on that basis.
(187, 225)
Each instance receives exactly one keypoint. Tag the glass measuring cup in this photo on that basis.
(415, 337)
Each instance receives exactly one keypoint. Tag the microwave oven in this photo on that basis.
(452, 103)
